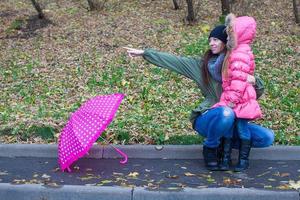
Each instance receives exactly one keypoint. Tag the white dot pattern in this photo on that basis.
(85, 126)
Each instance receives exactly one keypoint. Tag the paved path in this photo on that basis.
(153, 174)
(31, 172)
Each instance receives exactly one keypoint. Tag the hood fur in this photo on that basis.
(240, 30)
(229, 23)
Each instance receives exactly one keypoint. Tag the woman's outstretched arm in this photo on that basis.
(186, 66)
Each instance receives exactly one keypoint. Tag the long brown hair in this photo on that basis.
(208, 54)
(225, 64)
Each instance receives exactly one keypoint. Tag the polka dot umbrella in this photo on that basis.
(85, 126)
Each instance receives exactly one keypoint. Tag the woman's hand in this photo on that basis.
(251, 79)
(134, 52)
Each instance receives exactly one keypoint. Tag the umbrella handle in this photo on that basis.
(125, 157)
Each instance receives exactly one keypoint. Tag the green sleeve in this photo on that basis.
(186, 66)
(259, 86)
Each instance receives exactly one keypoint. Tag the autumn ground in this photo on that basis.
(49, 67)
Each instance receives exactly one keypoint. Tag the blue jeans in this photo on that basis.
(221, 122)
(243, 129)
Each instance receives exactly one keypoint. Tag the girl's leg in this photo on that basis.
(251, 135)
(243, 129)
(260, 136)
(214, 124)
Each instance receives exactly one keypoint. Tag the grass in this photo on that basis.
(45, 78)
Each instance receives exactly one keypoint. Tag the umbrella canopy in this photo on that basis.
(85, 126)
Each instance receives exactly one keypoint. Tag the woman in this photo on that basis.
(211, 123)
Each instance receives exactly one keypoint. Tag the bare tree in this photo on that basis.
(225, 7)
(176, 6)
(38, 8)
(96, 4)
(191, 15)
(296, 5)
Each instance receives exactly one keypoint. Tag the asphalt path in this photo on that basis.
(152, 174)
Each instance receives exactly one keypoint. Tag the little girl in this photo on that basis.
(238, 93)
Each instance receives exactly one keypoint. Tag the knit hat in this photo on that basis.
(220, 33)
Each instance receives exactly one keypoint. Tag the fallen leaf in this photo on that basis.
(210, 180)
(227, 181)
(284, 187)
(45, 176)
(159, 148)
(295, 185)
(3, 173)
(56, 169)
(35, 175)
(19, 181)
(133, 174)
(263, 174)
(202, 186)
(117, 174)
(285, 174)
(267, 186)
(163, 172)
(205, 28)
(183, 168)
(90, 184)
(52, 185)
(104, 182)
(189, 174)
(172, 176)
(173, 188)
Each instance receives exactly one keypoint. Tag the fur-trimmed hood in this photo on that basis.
(240, 30)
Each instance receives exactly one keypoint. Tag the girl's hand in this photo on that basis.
(134, 52)
(231, 105)
(251, 79)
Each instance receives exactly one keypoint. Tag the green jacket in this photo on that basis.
(191, 68)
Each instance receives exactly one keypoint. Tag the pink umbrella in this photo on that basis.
(85, 127)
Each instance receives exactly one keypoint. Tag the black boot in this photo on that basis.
(243, 163)
(220, 150)
(226, 159)
(210, 158)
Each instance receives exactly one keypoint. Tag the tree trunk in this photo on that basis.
(225, 7)
(96, 4)
(191, 16)
(296, 5)
(176, 6)
(37, 6)
(91, 4)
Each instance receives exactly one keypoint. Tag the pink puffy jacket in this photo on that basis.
(237, 92)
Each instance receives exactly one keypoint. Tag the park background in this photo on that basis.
(49, 66)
